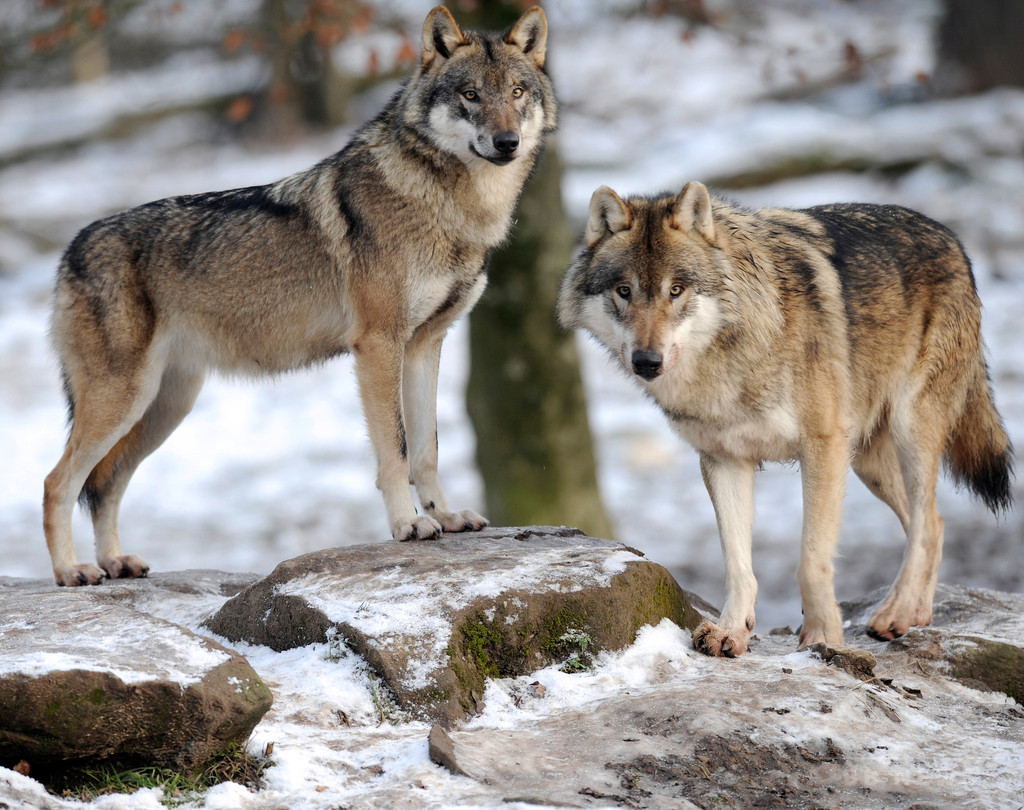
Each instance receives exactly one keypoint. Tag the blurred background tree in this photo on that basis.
(525, 395)
(980, 45)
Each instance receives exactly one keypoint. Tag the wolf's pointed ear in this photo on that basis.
(441, 36)
(530, 34)
(692, 211)
(608, 214)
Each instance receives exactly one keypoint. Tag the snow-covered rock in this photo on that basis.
(652, 725)
(874, 725)
(436, 619)
(84, 676)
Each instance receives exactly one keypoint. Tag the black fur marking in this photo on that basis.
(530, 43)
(439, 45)
(678, 415)
(68, 398)
(455, 296)
(198, 221)
(896, 244)
(349, 212)
(601, 278)
(989, 479)
(447, 86)
(255, 199)
(652, 226)
(91, 498)
(75, 256)
(403, 447)
(806, 282)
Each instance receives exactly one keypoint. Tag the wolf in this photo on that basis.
(375, 250)
(835, 335)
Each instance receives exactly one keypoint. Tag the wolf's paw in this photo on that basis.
(84, 574)
(818, 634)
(465, 520)
(890, 621)
(421, 527)
(127, 566)
(711, 639)
(882, 632)
(887, 626)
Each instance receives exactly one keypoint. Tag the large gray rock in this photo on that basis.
(84, 676)
(435, 619)
(976, 637)
(870, 725)
(657, 725)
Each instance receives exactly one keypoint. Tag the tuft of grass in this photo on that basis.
(579, 659)
(384, 702)
(87, 783)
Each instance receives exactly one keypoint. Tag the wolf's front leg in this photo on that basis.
(379, 371)
(419, 389)
(730, 482)
(823, 468)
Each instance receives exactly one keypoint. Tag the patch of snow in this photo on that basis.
(175, 656)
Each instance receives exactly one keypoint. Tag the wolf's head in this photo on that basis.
(647, 282)
(483, 97)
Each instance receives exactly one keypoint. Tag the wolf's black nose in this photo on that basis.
(506, 142)
(646, 364)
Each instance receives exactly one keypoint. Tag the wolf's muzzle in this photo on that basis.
(647, 364)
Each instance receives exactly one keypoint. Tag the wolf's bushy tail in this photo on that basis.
(979, 455)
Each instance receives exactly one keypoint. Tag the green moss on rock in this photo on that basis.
(522, 632)
(994, 664)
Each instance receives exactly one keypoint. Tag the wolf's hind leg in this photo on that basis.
(105, 408)
(419, 389)
(909, 601)
(730, 482)
(106, 484)
(879, 468)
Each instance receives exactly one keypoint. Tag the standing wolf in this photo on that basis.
(834, 334)
(375, 250)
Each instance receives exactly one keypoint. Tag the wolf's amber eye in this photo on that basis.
(675, 290)
(623, 291)
(470, 95)
(517, 92)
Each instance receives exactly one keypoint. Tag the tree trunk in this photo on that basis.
(90, 59)
(306, 88)
(980, 45)
(525, 394)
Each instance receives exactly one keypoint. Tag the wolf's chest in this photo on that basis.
(443, 296)
(769, 435)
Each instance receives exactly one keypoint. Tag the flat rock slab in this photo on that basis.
(84, 676)
(975, 637)
(435, 619)
(874, 725)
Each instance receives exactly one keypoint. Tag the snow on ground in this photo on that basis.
(261, 472)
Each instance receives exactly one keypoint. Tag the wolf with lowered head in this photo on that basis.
(375, 250)
(835, 335)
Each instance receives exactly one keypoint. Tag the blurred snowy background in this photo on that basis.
(788, 102)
